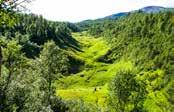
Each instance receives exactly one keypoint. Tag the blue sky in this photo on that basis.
(78, 10)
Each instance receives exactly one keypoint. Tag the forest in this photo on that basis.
(125, 64)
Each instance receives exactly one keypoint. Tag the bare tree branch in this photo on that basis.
(13, 4)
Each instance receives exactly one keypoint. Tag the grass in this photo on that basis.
(91, 84)
(92, 48)
(92, 95)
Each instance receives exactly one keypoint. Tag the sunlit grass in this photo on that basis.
(94, 95)
(90, 85)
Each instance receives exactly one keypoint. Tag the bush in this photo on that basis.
(126, 93)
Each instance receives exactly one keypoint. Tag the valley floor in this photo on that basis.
(91, 83)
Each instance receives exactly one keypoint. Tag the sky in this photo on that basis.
(78, 10)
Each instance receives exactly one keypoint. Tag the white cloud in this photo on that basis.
(77, 10)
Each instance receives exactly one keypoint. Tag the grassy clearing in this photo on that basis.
(92, 48)
(90, 84)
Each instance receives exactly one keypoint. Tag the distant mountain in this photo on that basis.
(152, 9)
(87, 23)
(148, 9)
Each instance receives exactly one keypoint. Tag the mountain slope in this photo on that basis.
(147, 41)
(149, 9)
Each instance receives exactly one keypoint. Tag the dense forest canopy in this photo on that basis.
(33, 31)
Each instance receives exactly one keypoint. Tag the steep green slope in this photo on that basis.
(147, 41)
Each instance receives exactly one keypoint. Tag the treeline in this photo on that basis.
(147, 41)
(33, 31)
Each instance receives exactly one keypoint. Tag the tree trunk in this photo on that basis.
(49, 86)
(3, 92)
(49, 94)
(9, 75)
(1, 58)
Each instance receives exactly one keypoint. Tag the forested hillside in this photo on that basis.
(32, 56)
(147, 41)
(124, 64)
(31, 31)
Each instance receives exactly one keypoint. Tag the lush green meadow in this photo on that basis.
(91, 83)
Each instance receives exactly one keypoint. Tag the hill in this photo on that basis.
(149, 9)
(145, 40)
(33, 31)
(152, 9)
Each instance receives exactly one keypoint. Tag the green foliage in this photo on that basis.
(12, 54)
(53, 59)
(80, 106)
(146, 40)
(73, 27)
(7, 18)
(53, 62)
(136, 51)
(126, 94)
(33, 31)
(24, 85)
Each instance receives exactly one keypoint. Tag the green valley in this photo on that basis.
(119, 63)
(90, 84)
